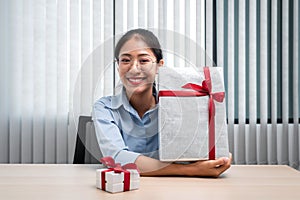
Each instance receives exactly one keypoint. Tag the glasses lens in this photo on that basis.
(143, 63)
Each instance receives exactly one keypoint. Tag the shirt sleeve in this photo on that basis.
(109, 136)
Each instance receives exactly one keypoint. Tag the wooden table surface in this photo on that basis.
(62, 181)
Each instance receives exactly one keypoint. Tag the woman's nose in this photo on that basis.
(136, 65)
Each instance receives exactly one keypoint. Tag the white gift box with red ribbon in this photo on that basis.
(192, 114)
(117, 178)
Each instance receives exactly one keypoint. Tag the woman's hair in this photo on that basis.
(147, 36)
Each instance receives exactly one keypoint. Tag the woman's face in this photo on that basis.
(137, 66)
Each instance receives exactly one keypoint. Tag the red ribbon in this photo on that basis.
(198, 90)
(117, 168)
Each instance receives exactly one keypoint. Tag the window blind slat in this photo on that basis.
(153, 18)
(120, 28)
(240, 156)
(120, 18)
(162, 15)
(131, 14)
(27, 86)
(51, 83)
(296, 63)
(285, 83)
(263, 82)
(200, 32)
(187, 33)
(209, 32)
(151, 15)
(178, 42)
(169, 35)
(142, 13)
(86, 57)
(62, 83)
(295, 138)
(193, 32)
(108, 31)
(39, 81)
(251, 138)
(4, 48)
(231, 78)
(274, 82)
(220, 33)
(15, 75)
(242, 62)
(98, 49)
(75, 63)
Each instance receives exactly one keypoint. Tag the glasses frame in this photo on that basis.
(132, 63)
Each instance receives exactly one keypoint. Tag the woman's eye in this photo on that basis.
(125, 61)
(145, 61)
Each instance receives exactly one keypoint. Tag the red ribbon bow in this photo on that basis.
(198, 90)
(117, 168)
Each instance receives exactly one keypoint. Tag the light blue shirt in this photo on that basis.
(121, 133)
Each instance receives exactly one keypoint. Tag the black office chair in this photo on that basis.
(87, 149)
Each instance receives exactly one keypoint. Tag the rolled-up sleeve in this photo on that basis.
(109, 135)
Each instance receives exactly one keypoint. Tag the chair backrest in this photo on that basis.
(87, 149)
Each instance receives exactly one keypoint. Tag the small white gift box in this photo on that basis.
(116, 178)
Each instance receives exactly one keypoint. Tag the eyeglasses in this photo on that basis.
(144, 63)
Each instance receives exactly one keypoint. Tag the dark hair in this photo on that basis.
(147, 36)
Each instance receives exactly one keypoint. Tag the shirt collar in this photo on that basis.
(121, 99)
(118, 100)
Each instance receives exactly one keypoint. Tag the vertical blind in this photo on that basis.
(45, 81)
(258, 45)
(56, 59)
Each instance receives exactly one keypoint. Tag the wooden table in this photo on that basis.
(30, 181)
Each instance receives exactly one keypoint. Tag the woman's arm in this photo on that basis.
(112, 144)
(208, 168)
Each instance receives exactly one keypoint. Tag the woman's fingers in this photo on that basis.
(220, 165)
(218, 162)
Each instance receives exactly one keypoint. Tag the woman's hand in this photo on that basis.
(208, 168)
(205, 168)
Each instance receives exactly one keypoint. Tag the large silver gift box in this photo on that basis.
(183, 121)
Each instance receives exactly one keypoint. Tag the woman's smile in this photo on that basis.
(136, 80)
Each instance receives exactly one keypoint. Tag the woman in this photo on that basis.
(127, 125)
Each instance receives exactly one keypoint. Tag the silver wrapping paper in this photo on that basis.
(183, 121)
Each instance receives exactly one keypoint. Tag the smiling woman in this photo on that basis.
(139, 58)
(127, 124)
